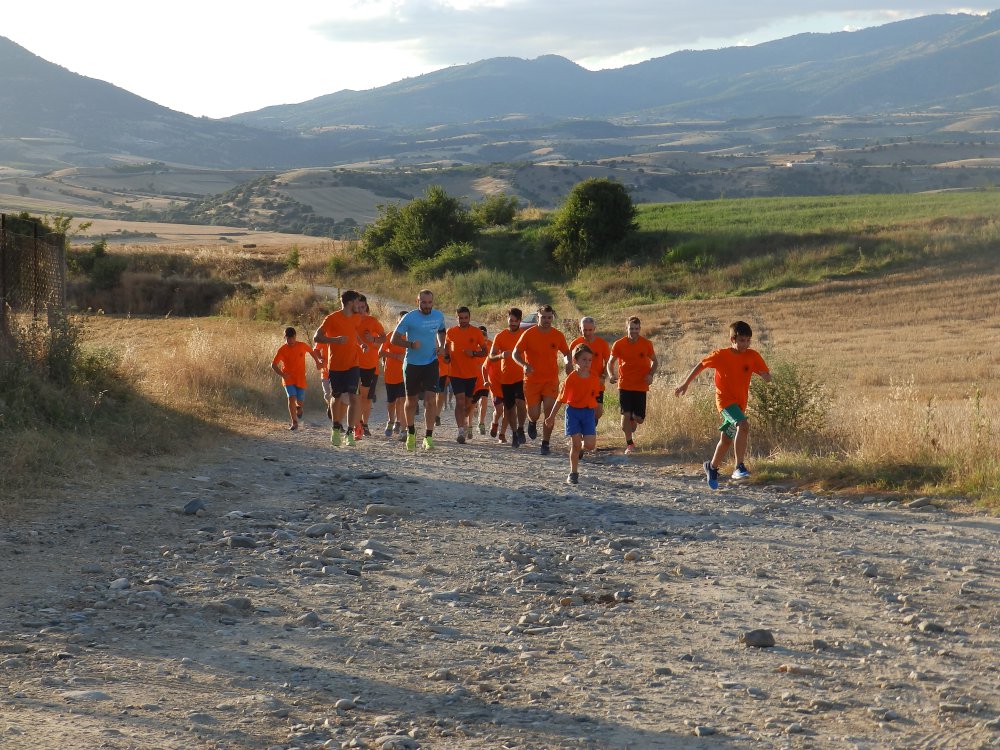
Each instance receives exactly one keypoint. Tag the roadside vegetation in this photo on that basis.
(877, 314)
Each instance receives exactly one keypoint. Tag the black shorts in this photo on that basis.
(394, 391)
(369, 377)
(498, 402)
(344, 381)
(600, 397)
(421, 378)
(480, 394)
(442, 385)
(633, 402)
(512, 392)
(463, 386)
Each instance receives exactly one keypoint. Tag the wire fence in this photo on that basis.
(32, 274)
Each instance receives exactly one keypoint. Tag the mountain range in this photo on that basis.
(52, 117)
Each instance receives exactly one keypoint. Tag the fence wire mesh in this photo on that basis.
(32, 272)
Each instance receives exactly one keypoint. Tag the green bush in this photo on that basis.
(597, 215)
(793, 405)
(402, 236)
(497, 210)
(292, 260)
(457, 257)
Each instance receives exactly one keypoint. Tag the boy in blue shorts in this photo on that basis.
(290, 364)
(734, 366)
(579, 392)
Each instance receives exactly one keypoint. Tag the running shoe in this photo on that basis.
(359, 431)
(740, 472)
(493, 429)
(532, 430)
(629, 449)
(397, 428)
(711, 475)
(468, 433)
(294, 427)
(437, 421)
(411, 442)
(365, 430)
(388, 429)
(349, 440)
(501, 438)
(482, 428)
(515, 439)
(428, 443)
(461, 438)
(335, 437)
(298, 412)
(545, 449)
(521, 439)
(401, 437)
(573, 478)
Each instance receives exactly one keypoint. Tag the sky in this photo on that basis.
(216, 58)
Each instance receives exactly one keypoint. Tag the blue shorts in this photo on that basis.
(580, 421)
(294, 390)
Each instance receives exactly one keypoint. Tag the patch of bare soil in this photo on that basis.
(467, 598)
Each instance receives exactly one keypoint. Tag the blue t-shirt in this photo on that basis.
(422, 328)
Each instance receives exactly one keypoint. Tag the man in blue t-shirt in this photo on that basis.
(421, 332)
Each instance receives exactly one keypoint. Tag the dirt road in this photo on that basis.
(468, 598)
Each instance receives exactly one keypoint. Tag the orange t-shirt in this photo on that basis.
(635, 360)
(444, 369)
(369, 325)
(291, 358)
(505, 341)
(733, 371)
(342, 356)
(492, 373)
(601, 350)
(457, 340)
(393, 373)
(540, 349)
(580, 392)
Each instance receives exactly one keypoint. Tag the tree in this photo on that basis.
(597, 215)
(402, 236)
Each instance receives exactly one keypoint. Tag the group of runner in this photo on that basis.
(519, 370)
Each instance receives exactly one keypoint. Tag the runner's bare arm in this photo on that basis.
(682, 388)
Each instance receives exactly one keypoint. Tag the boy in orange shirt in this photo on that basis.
(635, 361)
(537, 351)
(733, 367)
(579, 392)
(290, 363)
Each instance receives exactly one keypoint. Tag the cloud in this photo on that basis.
(445, 33)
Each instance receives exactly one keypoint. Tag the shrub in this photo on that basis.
(292, 260)
(402, 236)
(793, 405)
(497, 210)
(457, 257)
(597, 215)
(488, 286)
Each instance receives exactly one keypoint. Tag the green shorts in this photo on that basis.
(732, 415)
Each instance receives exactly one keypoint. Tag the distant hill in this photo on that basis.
(950, 61)
(506, 109)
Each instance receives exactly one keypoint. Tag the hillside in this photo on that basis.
(910, 65)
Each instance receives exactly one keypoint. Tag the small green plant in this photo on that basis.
(792, 405)
(292, 260)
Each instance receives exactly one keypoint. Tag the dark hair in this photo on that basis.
(546, 309)
(634, 319)
(581, 349)
(290, 331)
(362, 297)
(348, 295)
(462, 309)
(739, 328)
(402, 313)
(483, 329)
(516, 312)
